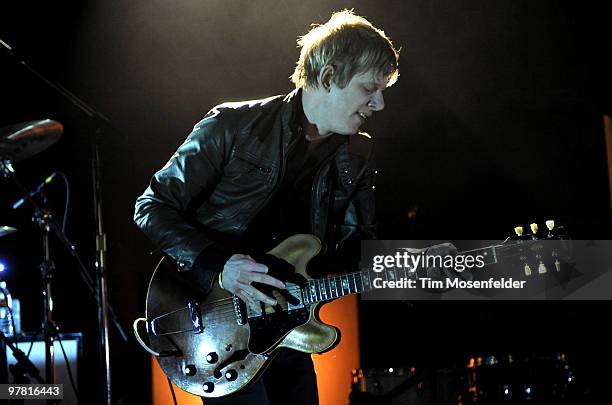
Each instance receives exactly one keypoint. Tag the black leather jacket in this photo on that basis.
(229, 167)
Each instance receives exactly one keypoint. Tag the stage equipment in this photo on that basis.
(6, 230)
(26, 139)
(99, 288)
(520, 378)
(389, 386)
(21, 366)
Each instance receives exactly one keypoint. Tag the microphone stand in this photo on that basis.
(104, 309)
(46, 221)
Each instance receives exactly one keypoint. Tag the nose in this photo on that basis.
(377, 102)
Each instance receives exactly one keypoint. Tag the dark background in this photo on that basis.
(495, 121)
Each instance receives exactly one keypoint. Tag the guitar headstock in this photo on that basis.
(539, 250)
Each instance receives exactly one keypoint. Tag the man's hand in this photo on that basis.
(239, 272)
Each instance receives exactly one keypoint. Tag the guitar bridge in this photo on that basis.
(240, 311)
(196, 317)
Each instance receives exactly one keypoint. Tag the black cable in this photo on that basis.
(171, 390)
(76, 393)
(32, 342)
(67, 203)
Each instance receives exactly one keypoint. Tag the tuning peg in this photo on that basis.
(550, 224)
(557, 265)
(542, 268)
(534, 228)
(527, 270)
(518, 230)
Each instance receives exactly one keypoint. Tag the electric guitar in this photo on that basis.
(213, 345)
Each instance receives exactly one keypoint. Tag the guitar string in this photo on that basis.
(316, 283)
(225, 311)
(322, 292)
(224, 308)
(328, 286)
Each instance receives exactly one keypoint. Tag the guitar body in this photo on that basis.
(235, 345)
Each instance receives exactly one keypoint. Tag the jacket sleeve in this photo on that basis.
(166, 209)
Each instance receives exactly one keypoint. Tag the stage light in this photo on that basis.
(2, 267)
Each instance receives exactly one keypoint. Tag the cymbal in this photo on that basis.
(26, 139)
(6, 230)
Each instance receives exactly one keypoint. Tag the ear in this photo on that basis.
(325, 77)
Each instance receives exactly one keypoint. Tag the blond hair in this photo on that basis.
(349, 43)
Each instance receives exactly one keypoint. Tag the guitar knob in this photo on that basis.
(189, 370)
(231, 374)
(212, 358)
(550, 224)
(518, 230)
(527, 270)
(534, 228)
(208, 387)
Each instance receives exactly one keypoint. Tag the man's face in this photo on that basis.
(348, 108)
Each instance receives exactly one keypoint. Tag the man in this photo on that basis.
(253, 173)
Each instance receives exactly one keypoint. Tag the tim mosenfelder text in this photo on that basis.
(409, 262)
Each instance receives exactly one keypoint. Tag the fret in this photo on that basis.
(358, 281)
(338, 283)
(348, 283)
(332, 287)
(345, 285)
(391, 274)
(354, 283)
(322, 284)
(366, 280)
(318, 289)
(490, 255)
(306, 294)
(313, 291)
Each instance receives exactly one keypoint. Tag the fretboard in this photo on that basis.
(340, 285)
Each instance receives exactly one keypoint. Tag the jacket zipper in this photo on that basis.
(316, 184)
(265, 170)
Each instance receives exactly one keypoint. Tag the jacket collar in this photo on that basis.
(291, 117)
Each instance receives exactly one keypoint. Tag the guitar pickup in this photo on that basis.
(196, 317)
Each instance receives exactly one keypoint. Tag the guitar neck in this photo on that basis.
(324, 289)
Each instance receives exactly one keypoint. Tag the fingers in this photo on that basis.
(266, 279)
(246, 262)
(240, 272)
(252, 297)
(248, 271)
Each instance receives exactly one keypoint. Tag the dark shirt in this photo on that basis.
(289, 211)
